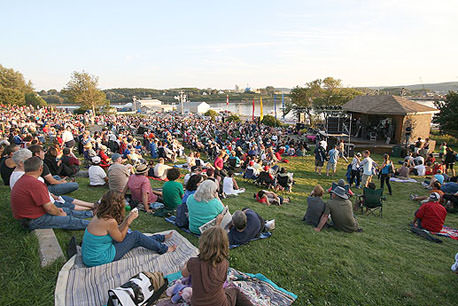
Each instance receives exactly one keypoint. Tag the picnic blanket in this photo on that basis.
(258, 288)
(172, 220)
(447, 232)
(88, 286)
(405, 180)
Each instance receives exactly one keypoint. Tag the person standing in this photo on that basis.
(320, 157)
(341, 149)
(332, 162)
(355, 173)
(450, 159)
(386, 171)
(368, 165)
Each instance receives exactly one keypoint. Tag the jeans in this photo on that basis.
(74, 220)
(68, 203)
(136, 239)
(385, 178)
(60, 189)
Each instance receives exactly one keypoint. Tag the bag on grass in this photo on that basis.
(143, 289)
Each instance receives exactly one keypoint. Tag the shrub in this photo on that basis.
(211, 113)
(233, 118)
(271, 121)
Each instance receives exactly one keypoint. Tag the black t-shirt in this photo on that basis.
(315, 210)
(45, 173)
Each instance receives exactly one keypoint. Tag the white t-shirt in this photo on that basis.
(160, 170)
(67, 136)
(421, 170)
(228, 186)
(96, 175)
(367, 164)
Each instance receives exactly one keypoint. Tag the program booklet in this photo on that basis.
(227, 219)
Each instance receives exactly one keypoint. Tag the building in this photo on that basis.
(392, 119)
(146, 105)
(196, 107)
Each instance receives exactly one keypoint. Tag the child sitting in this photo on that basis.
(208, 272)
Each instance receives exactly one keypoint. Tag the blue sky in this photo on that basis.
(163, 44)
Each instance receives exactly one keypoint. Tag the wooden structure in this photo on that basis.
(391, 119)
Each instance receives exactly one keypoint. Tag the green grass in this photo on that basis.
(384, 265)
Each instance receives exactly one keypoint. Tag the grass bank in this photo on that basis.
(384, 265)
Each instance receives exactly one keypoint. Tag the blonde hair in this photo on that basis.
(214, 245)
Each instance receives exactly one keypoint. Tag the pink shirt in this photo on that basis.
(139, 184)
(219, 164)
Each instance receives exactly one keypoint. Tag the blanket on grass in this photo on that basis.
(78, 285)
(172, 220)
(259, 289)
(447, 232)
(405, 180)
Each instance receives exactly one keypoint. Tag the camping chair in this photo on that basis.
(372, 200)
(249, 174)
(264, 180)
(285, 181)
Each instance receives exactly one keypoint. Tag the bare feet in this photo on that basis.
(172, 248)
(168, 236)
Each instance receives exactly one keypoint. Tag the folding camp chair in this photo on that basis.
(285, 180)
(372, 200)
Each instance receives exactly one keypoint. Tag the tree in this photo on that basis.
(82, 89)
(446, 118)
(9, 78)
(270, 121)
(211, 113)
(11, 96)
(32, 98)
(233, 118)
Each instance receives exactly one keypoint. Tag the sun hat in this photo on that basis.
(115, 156)
(340, 192)
(141, 168)
(341, 183)
(96, 160)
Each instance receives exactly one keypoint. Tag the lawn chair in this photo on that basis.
(285, 180)
(372, 200)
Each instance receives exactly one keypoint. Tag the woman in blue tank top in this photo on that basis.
(106, 238)
(386, 170)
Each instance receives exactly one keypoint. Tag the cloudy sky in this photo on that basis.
(163, 44)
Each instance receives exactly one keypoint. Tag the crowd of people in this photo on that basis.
(43, 150)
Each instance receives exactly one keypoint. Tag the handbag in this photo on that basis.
(144, 289)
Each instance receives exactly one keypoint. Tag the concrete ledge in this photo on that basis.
(48, 246)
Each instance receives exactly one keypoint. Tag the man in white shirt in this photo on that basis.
(67, 137)
(367, 165)
(160, 170)
(419, 169)
(97, 176)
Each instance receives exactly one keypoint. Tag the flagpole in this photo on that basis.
(275, 106)
(283, 105)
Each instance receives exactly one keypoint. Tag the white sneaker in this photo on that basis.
(455, 265)
(270, 225)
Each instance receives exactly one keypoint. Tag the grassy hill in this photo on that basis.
(384, 265)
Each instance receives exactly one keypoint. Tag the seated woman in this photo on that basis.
(53, 162)
(204, 205)
(106, 239)
(105, 161)
(7, 164)
(269, 198)
(182, 217)
(284, 180)
(315, 206)
(230, 186)
(403, 172)
(208, 272)
(140, 188)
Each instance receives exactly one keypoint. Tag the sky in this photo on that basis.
(216, 44)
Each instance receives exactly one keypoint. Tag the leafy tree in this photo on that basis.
(82, 89)
(270, 121)
(233, 118)
(446, 118)
(32, 98)
(211, 113)
(9, 78)
(53, 99)
(11, 96)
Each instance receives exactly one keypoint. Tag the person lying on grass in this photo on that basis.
(269, 198)
(246, 225)
(106, 238)
(208, 272)
(341, 211)
(436, 188)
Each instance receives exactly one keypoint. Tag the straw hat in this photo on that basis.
(141, 168)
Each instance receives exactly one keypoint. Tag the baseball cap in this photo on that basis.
(115, 156)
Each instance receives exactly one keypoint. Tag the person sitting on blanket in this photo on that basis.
(182, 216)
(203, 206)
(32, 206)
(246, 225)
(160, 170)
(341, 210)
(403, 172)
(342, 184)
(436, 188)
(431, 215)
(106, 238)
(315, 206)
(140, 188)
(172, 193)
(118, 174)
(269, 197)
(208, 272)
